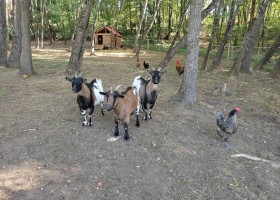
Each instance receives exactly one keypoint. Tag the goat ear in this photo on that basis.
(84, 80)
(121, 96)
(68, 79)
(103, 93)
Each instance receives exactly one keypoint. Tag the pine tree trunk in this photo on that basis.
(191, 61)
(14, 57)
(76, 58)
(26, 66)
(3, 33)
(227, 34)
(243, 60)
(268, 54)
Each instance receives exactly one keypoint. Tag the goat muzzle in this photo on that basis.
(109, 107)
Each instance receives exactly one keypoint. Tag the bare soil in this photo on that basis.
(45, 153)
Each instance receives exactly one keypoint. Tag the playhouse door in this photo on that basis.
(100, 39)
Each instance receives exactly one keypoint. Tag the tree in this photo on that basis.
(76, 58)
(26, 66)
(146, 32)
(191, 61)
(139, 28)
(93, 28)
(213, 34)
(230, 25)
(14, 57)
(3, 33)
(276, 70)
(268, 54)
(244, 56)
(173, 49)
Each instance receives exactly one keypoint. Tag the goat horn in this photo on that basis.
(80, 74)
(118, 87)
(76, 75)
(110, 88)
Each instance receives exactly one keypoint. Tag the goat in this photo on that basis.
(148, 91)
(88, 96)
(123, 105)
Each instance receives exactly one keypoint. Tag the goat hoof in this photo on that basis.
(116, 134)
(126, 138)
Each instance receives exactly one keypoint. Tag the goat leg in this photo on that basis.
(102, 108)
(116, 127)
(146, 115)
(84, 114)
(126, 136)
(137, 116)
(90, 121)
(150, 114)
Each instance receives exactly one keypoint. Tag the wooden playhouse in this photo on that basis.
(107, 38)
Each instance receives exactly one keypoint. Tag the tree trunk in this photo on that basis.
(268, 54)
(139, 28)
(26, 66)
(276, 71)
(213, 34)
(14, 57)
(3, 33)
(146, 32)
(174, 49)
(76, 58)
(227, 34)
(191, 61)
(93, 28)
(243, 60)
(42, 24)
(252, 12)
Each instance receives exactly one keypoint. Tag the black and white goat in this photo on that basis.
(88, 96)
(148, 91)
(123, 105)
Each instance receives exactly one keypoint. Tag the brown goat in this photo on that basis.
(123, 105)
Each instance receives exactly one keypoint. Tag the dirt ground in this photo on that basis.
(45, 153)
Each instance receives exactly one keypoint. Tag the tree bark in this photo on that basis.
(276, 71)
(243, 60)
(139, 28)
(14, 57)
(268, 54)
(191, 61)
(230, 24)
(26, 66)
(213, 34)
(146, 32)
(42, 24)
(3, 33)
(93, 28)
(76, 58)
(174, 49)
